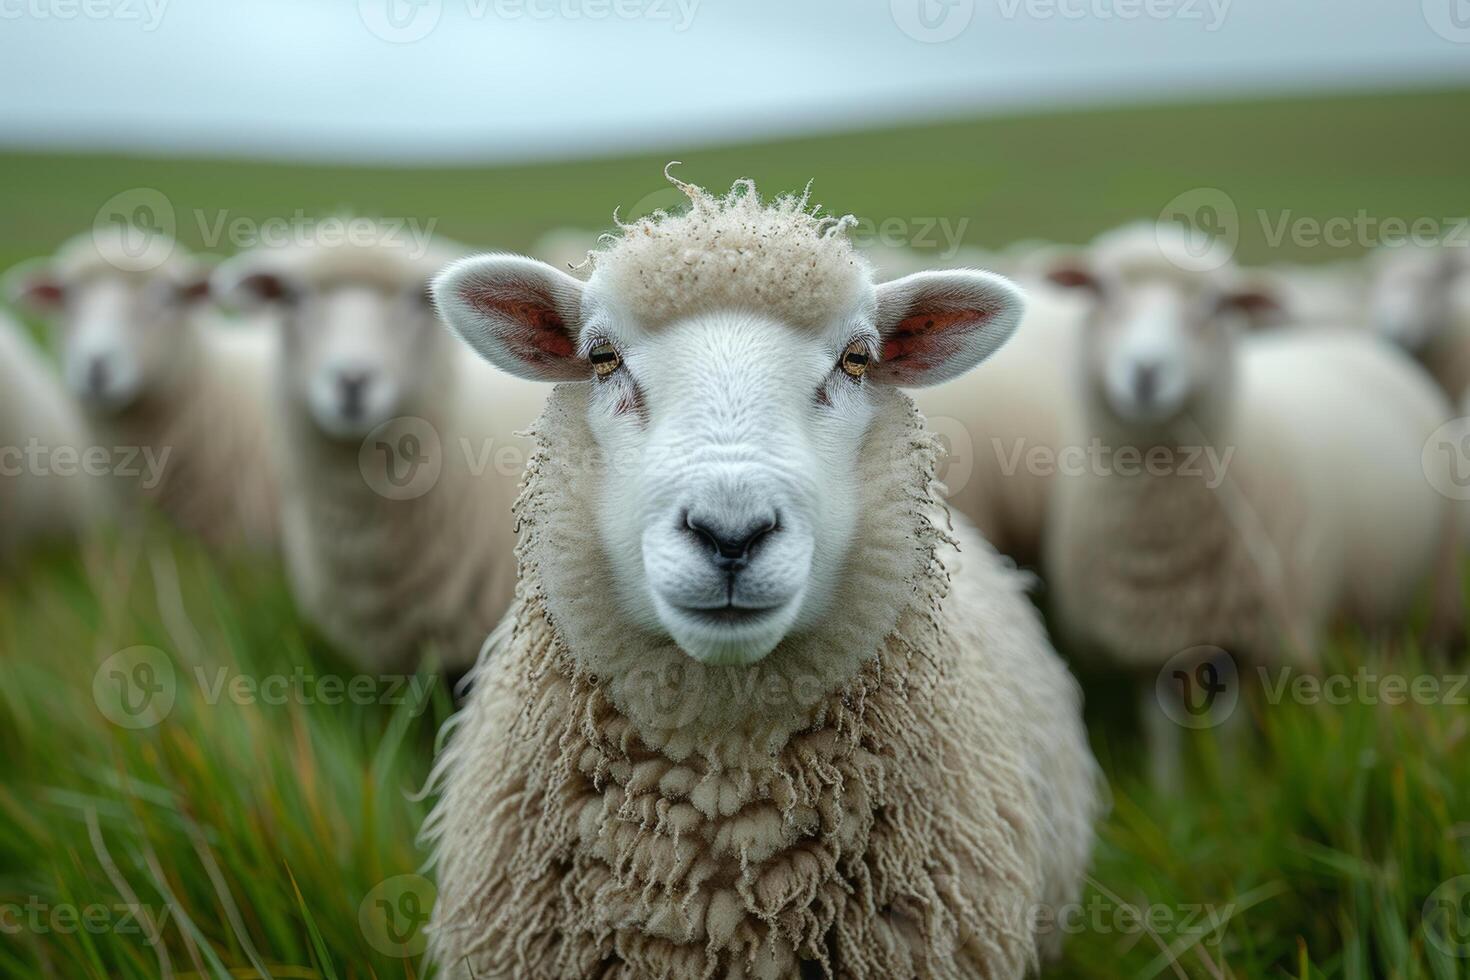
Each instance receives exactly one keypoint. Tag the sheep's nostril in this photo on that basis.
(352, 384)
(1146, 381)
(731, 547)
(98, 373)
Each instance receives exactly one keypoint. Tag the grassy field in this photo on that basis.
(1063, 176)
(264, 823)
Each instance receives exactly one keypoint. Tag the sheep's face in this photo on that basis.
(1416, 293)
(119, 334)
(1159, 342)
(734, 440)
(356, 353)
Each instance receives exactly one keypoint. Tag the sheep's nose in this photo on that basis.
(352, 384)
(99, 371)
(731, 546)
(1146, 381)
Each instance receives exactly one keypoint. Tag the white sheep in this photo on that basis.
(1003, 425)
(750, 714)
(47, 493)
(179, 392)
(1332, 294)
(1245, 491)
(398, 451)
(1419, 298)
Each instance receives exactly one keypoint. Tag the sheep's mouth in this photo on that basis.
(729, 615)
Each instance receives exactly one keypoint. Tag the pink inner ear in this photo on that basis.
(42, 293)
(916, 333)
(537, 330)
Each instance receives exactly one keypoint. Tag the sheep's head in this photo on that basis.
(1160, 341)
(733, 354)
(358, 334)
(119, 311)
(1417, 293)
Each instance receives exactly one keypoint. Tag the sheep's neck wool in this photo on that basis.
(613, 808)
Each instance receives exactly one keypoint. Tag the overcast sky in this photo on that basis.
(515, 79)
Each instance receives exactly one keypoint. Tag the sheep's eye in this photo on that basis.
(855, 359)
(605, 360)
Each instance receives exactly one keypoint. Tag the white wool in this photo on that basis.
(1330, 295)
(894, 790)
(218, 480)
(1003, 425)
(38, 504)
(114, 249)
(388, 580)
(1419, 298)
(783, 259)
(1324, 511)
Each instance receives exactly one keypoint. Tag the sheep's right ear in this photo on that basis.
(517, 313)
(34, 288)
(1070, 269)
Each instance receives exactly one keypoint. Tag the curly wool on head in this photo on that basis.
(784, 258)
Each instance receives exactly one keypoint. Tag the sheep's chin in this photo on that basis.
(728, 645)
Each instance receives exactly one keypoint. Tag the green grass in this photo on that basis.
(212, 818)
(270, 832)
(254, 834)
(1061, 176)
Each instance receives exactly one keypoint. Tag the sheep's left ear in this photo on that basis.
(519, 314)
(935, 326)
(34, 288)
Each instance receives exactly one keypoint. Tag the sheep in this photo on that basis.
(1246, 490)
(398, 451)
(756, 711)
(161, 380)
(1331, 294)
(1003, 425)
(1419, 299)
(48, 491)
